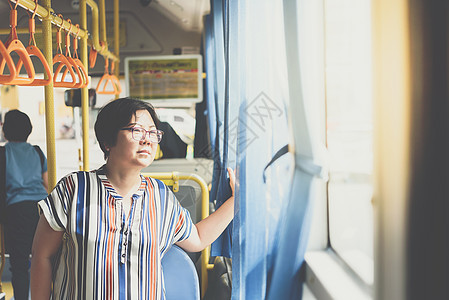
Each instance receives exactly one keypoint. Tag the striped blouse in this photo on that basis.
(105, 255)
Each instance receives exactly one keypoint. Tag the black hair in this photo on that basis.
(17, 126)
(114, 116)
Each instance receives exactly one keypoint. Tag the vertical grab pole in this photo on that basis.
(102, 9)
(84, 91)
(49, 99)
(205, 254)
(117, 38)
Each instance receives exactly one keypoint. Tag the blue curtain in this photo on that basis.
(255, 90)
(294, 230)
(263, 129)
(221, 190)
(209, 53)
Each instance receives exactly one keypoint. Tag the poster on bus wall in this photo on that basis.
(165, 78)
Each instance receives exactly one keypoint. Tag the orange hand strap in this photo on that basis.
(12, 23)
(83, 70)
(93, 55)
(15, 45)
(32, 26)
(6, 59)
(34, 51)
(107, 80)
(115, 79)
(78, 63)
(79, 77)
(67, 40)
(62, 62)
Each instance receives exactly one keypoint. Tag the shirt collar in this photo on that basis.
(101, 173)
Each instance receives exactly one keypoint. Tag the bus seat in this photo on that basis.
(189, 196)
(180, 277)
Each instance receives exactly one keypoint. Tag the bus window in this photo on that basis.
(349, 133)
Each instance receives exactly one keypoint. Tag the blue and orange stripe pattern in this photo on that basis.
(105, 253)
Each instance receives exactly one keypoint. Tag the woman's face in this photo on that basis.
(130, 153)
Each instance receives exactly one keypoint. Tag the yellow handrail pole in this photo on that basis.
(117, 37)
(84, 90)
(102, 8)
(44, 12)
(95, 35)
(49, 100)
(206, 252)
(7, 31)
(171, 179)
(94, 32)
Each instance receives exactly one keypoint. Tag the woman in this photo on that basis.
(25, 182)
(115, 225)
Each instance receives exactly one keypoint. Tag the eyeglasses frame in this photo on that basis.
(158, 133)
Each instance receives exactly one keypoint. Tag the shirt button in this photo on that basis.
(123, 255)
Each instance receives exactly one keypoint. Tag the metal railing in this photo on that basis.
(172, 179)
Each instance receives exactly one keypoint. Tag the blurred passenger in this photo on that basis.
(25, 171)
(171, 145)
(112, 226)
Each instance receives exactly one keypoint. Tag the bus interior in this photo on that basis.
(333, 113)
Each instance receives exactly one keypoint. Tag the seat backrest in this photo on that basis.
(180, 277)
(189, 196)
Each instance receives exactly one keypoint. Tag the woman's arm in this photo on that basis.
(45, 245)
(208, 230)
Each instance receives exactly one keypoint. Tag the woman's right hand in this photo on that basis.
(232, 180)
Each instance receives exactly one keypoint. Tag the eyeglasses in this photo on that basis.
(139, 134)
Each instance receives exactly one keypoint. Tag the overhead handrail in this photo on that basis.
(108, 83)
(79, 64)
(62, 62)
(45, 13)
(13, 44)
(33, 50)
(98, 45)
